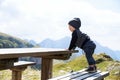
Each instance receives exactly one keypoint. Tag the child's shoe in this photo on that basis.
(91, 69)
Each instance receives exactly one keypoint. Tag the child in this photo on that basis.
(82, 41)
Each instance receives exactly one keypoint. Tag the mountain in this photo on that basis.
(64, 43)
(31, 42)
(48, 43)
(8, 41)
(101, 49)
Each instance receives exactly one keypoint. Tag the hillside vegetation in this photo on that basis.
(7, 41)
(104, 63)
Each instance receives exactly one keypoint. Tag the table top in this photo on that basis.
(31, 52)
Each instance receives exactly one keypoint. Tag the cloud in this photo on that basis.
(40, 19)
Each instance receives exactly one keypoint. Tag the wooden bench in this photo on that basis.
(15, 67)
(18, 68)
(83, 75)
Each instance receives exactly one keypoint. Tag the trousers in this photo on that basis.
(89, 50)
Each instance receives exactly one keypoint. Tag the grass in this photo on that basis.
(28, 74)
(104, 62)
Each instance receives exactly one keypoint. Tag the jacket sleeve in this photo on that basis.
(73, 41)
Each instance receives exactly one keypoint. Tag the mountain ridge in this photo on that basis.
(64, 43)
(8, 41)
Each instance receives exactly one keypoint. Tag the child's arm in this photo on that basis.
(73, 41)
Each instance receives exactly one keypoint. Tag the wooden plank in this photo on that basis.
(68, 75)
(75, 77)
(10, 64)
(99, 76)
(79, 75)
(23, 63)
(33, 52)
(59, 57)
(46, 69)
(85, 76)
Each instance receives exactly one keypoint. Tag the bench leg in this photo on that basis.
(17, 73)
(46, 69)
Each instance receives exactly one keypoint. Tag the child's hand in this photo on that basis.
(72, 50)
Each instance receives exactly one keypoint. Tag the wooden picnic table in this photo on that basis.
(47, 55)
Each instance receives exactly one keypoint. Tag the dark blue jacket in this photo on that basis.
(80, 40)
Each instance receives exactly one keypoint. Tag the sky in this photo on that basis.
(41, 19)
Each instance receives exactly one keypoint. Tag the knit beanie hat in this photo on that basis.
(76, 23)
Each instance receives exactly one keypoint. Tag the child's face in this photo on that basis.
(71, 28)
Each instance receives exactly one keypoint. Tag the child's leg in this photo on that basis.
(91, 61)
(89, 56)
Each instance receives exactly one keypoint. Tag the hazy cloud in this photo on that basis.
(40, 19)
